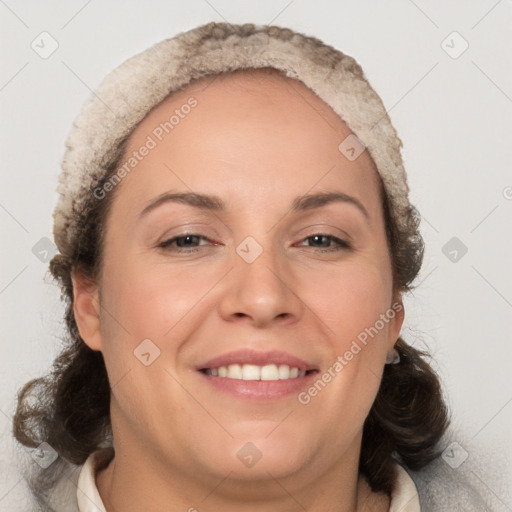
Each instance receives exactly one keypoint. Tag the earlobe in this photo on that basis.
(398, 307)
(86, 308)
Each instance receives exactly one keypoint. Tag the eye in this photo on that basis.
(324, 240)
(182, 243)
(190, 242)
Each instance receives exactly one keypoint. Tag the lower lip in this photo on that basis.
(259, 390)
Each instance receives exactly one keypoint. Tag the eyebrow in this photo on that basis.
(215, 204)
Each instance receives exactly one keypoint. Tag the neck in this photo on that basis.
(135, 481)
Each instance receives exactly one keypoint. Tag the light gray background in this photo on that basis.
(454, 116)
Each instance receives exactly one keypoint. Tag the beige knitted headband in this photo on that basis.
(130, 91)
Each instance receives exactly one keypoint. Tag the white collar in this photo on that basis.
(404, 499)
(88, 497)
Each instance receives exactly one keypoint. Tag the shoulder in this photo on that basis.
(15, 493)
(459, 481)
(441, 488)
(26, 486)
(445, 485)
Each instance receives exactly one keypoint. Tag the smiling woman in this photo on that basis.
(234, 303)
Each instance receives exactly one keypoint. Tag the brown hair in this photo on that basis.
(70, 407)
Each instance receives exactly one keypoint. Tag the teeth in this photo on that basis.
(283, 371)
(269, 372)
(234, 371)
(249, 372)
(255, 372)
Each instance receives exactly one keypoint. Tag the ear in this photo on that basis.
(395, 324)
(86, 308)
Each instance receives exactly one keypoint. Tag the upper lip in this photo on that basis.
(260, 358)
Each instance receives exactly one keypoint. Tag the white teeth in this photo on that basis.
(255, 372)
(284, 371)
(269, 372)
(250, 372)
(234, 371)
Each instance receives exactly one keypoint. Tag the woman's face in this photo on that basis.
(251, 274)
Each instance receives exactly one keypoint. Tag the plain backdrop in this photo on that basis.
(451, 105)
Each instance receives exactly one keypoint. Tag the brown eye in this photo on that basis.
(182, 243)
(325, 241)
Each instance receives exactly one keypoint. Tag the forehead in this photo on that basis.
(248, 125)
(254, 88)
(266, 80)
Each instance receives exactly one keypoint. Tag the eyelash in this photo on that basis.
(342, 244)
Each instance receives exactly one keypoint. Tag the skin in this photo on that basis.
(256, 143)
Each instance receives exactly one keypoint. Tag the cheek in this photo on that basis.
(143, 303)
(348, 299)
(352, 303)
(149, 300)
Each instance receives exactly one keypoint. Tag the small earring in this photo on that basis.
(393, 357)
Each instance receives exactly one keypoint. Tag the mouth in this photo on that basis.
(268, 372)
(260, 376)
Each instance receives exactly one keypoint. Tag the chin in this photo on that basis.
(258, 451)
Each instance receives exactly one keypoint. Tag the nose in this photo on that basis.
(261, 292)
